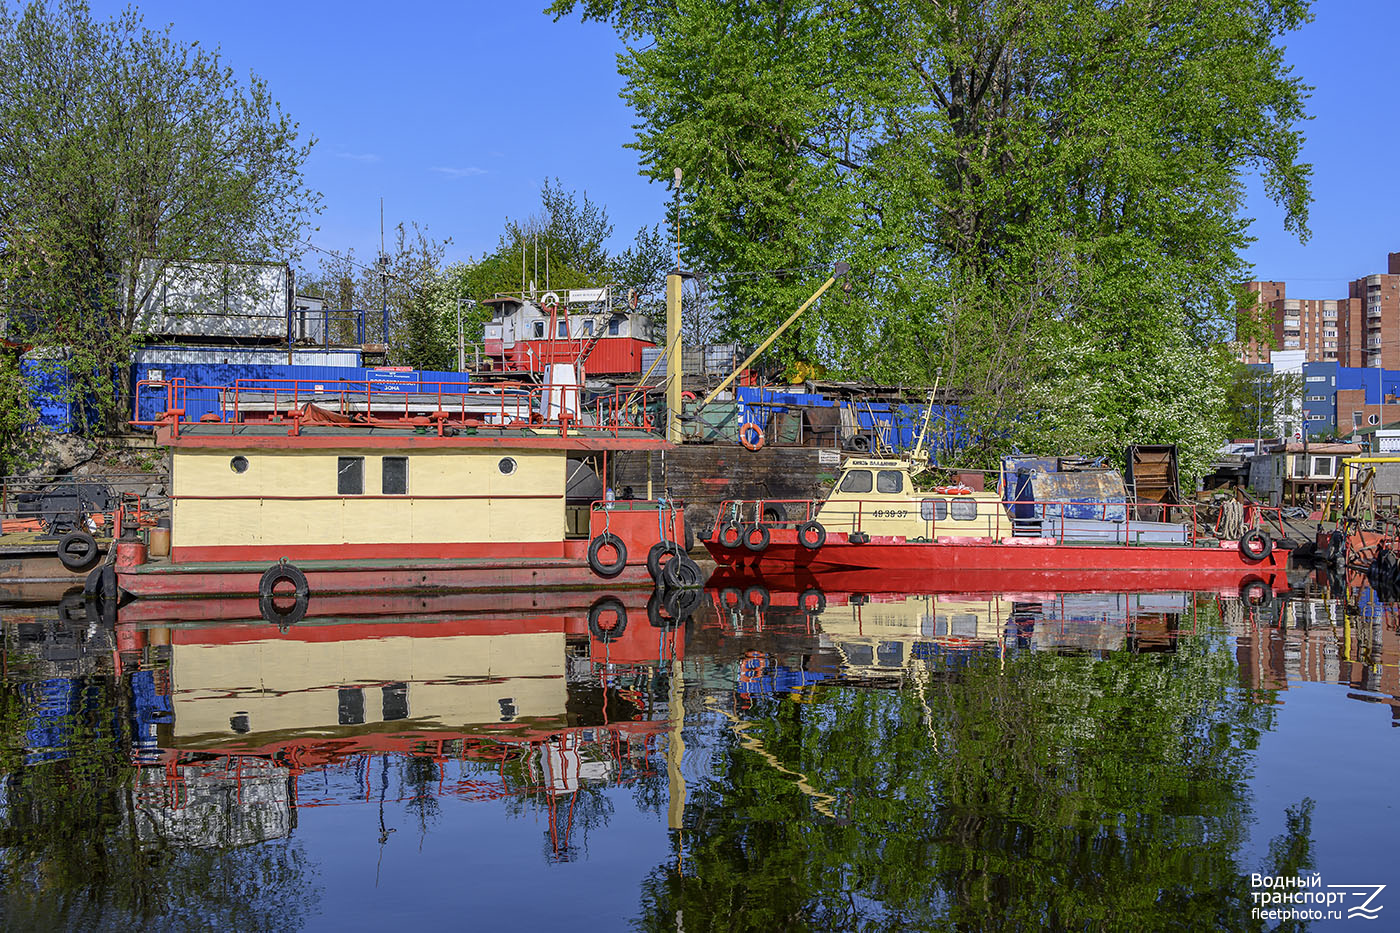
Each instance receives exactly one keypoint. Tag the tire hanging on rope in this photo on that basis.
(283, 572)
(595, 560)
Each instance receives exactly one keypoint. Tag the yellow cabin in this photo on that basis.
(878, 497)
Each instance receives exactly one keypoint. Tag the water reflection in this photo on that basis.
(777, 759)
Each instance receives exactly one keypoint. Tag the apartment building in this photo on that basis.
(1360, 330)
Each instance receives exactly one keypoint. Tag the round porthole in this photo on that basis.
(239, 464)
(507, 465)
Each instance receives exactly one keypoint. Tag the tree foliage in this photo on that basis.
(118, 145)
(1007, 179)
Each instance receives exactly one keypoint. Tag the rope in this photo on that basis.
(1231, 525)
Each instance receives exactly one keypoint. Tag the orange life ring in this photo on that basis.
(953, 490)
(688, 396)
(744, 430)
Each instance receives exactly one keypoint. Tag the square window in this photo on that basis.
(588, 328)
(614, 327)
(857, 481)
(539, 328)
(889, 481)
(933, 510)
(350, 476)
(963, 510)
(395, 476)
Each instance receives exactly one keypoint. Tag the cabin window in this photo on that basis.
(539, 328)
(614, 327)
(395, 698)
(563, 328)
(507, 465)
(350, 476)
(1300, 465)
(963, 510)
(933, 510)
(238, 464)
(394, 480)
(856, 481)
(889, 481)
(1322, 466)
(588, 328)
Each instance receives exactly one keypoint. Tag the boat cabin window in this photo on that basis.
(963, 510)
(350, 476)
(889, 481)
(856, 481)
(238, 464)
(933, 510)
(588, 328)
(563, 328)
(613, 327)
(395, 476)
(539, 328)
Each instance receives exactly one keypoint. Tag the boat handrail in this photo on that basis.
(793, 512)
(442, 406)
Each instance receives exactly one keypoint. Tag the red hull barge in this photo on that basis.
(915, 559)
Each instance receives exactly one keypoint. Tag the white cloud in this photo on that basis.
(459, 172)
(359, 156)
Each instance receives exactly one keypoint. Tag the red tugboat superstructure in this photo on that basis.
(312, 487)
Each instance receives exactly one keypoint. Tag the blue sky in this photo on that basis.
(455, 113)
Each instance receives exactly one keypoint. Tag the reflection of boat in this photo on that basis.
(880, 635)
(435, 496)
(248, 709)
(996, 580)
(877, 519)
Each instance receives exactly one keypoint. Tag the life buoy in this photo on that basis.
(682, 573)
(763, 537)
(283, 572)
(819, 601)
(550, 301)
(78, 551)
(612, 569)
(659, 554)
(730, 536)
(953, 490)
(751, 444)
(688, 396)
(607, 631)
(1255, 545)
(811, 535)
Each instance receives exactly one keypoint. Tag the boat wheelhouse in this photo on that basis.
(463, 487)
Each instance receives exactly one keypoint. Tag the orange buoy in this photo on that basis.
(744, 438)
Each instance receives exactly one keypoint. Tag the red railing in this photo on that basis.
(849, 515)
(441, 406)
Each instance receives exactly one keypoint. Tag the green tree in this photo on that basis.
(1008, 181)
(121, 149)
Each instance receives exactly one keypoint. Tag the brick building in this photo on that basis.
(1360, 330)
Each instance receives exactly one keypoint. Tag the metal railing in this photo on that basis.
(445, 407)
(851, 515)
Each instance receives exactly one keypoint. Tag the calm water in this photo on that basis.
(1015, 761)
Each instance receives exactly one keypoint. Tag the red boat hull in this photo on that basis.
(981, 565)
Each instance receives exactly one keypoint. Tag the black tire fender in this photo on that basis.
(682, 573)
(774, 513)
(730, 536)
(595, 562)
(811, 535)
(763, 537)
(1255, 545)
(659, 554)
(267, 602)
(600, 608)
(77, 550)
(1255, 592)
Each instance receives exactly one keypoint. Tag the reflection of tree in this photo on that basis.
(71, 856)
(1046, 791)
